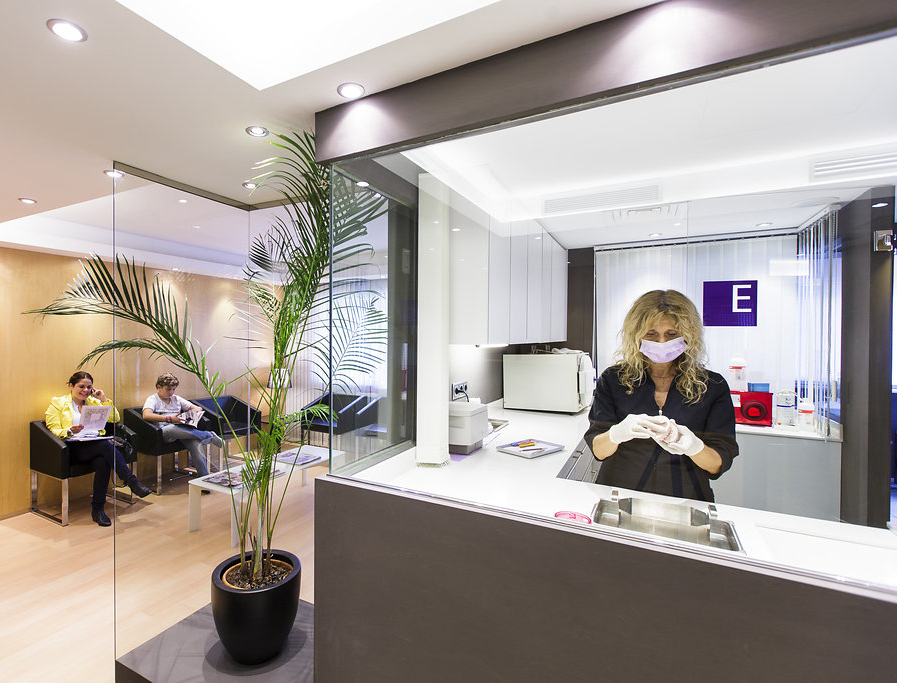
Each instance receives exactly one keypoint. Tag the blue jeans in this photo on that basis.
(194, 440)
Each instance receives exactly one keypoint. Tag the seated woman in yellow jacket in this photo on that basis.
(64, 420)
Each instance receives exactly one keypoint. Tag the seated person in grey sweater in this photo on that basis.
(174, 411)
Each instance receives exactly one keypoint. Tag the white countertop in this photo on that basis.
(488, 477)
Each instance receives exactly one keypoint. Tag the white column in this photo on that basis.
(433, 323)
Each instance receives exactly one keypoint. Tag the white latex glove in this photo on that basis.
(636, 427)
(680, 440)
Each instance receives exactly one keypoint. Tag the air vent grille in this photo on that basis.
(848, 167)
(589, 201)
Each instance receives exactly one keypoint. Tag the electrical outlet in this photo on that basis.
(459, 389)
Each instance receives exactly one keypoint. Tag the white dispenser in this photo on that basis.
(805, 413)
(785, 408)
(738, 373)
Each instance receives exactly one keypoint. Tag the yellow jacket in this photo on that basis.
(59, 416)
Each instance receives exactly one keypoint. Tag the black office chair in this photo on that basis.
(148, 439)
(241, 419)
(50, 456)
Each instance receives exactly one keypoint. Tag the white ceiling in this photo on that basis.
(134, 94)
(716, 157)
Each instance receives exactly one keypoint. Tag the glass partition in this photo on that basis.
(730, 191)
(192, 251)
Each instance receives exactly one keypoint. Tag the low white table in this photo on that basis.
(195, 489)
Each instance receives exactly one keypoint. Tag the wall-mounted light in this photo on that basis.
(67, 30)
(257, 131)
(27, 200)
(113, 174)
(249, 185)
(351, 91)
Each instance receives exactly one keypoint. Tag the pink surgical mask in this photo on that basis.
(663, 352)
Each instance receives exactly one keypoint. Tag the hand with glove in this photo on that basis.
(680, 440)
(636, 427)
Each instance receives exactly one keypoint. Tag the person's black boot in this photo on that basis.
(137, 488)
(99, 516)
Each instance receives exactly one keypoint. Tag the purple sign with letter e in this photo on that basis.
(730, 303)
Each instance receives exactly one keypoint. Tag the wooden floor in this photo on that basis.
(74, 598)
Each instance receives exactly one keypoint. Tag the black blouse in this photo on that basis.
(641, 464)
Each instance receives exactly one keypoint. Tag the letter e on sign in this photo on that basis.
(730, 303)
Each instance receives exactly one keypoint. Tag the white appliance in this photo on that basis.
(468, 426)
(562, 381)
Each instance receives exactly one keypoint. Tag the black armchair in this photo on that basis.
(242, 419)
(351, 412)
(50, 456)
(148, 439)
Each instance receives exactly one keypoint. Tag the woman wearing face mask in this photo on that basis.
(660, 421)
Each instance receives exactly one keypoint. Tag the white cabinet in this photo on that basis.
(506, 279)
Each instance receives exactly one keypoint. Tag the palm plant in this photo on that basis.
(295, 273)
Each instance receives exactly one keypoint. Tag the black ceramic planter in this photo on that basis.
(253, 625)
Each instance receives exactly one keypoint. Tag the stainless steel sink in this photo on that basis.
(669, 520)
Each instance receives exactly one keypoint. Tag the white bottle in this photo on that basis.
(785, 401)
(738, 373)
(805, 411)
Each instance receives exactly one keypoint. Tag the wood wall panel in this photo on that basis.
(40, 354)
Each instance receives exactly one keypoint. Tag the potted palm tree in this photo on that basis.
(298, 283)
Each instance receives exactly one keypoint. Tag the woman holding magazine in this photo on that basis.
(180, 418)
(87, 443)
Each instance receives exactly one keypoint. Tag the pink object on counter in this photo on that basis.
(575, 516)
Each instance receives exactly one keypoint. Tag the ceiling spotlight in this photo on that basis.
(363, 183)
(764, 224)
(175, 269)
(677, 224)
(655, 234)
(351, 91)
(67, 30)
(249, 185)
(257, 131)
(537, 237)
(879, 205)
(197, 227)
(182, 201)
(27, 200)
(456, 229)
(113, 174)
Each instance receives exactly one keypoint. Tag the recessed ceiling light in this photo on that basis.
(182, 201)
(764, 224)
(537, 237)
(175, 269)
(249, 185)
(27, 200)
(257, 131)
(113, 174)
(655, 234)
(67, 30)
(456, 229)
(197, 227)
(879, 205)
(363, 183)
(351, 91)
(677, 224)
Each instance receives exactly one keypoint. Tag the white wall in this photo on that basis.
(770, 349)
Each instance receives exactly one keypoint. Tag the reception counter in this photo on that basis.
(849, 555)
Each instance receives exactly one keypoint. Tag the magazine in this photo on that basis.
(192, 416)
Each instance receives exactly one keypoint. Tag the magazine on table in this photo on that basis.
(294, 458)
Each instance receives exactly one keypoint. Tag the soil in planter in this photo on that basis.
(278, 570)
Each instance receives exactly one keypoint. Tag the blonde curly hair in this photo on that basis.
(645, 313)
